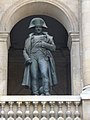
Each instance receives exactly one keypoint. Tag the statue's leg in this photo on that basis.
(34, 77)
(43, 66)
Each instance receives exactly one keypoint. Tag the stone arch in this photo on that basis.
(26, 8)
(55, 9)
(61, 56)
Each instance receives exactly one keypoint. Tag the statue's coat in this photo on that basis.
(51, 65)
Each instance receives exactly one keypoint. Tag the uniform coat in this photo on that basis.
(49, 46)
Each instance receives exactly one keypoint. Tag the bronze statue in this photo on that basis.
(39, 73)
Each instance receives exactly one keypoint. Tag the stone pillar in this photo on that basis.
(3, 62)
(74, 46)
(85, 39)
(85, 106)
(85, 36)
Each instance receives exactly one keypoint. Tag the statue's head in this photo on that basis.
(37, 22)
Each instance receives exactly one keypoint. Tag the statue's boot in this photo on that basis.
(35, 90)
(46, 88)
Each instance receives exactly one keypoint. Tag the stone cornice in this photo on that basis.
(73, 37)
(4, 36)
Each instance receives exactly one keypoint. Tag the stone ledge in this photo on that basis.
(40, 98)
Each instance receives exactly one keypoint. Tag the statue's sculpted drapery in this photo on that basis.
(39, 73)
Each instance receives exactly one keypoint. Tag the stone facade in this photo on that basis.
(74, 16)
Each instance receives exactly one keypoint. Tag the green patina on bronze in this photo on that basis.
(39, 73)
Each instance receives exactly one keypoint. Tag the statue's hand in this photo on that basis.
(39, 44)
(43, 44)
(29, 61)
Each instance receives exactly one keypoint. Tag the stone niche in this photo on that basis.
(16, 61)
(57, 10)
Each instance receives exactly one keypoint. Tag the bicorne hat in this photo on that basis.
(37, 22)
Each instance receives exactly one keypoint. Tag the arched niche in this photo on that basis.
(61, 56)
(26, 8)
(55, 10)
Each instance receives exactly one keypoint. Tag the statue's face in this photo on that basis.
(38, 29)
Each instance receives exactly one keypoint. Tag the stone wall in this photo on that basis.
(14, 11)
(71, 13)
(72, 5)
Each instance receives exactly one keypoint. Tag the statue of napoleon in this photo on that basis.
(39, 73)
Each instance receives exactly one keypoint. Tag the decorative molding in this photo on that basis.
(12, 10)
(73, 37)
(4, 36)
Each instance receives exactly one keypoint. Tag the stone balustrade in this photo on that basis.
(40, 107)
